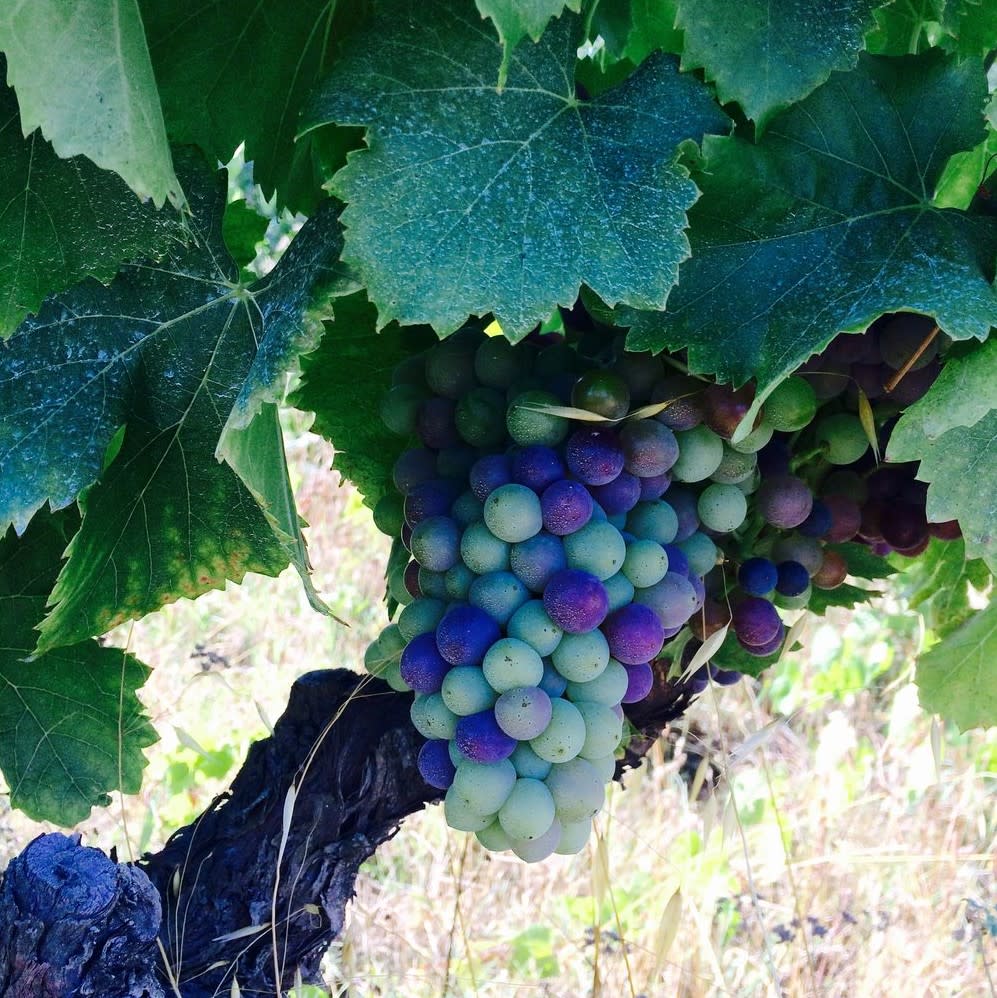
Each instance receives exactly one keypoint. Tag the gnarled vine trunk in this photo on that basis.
(257, 886)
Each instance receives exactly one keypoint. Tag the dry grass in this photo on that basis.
(829, 850)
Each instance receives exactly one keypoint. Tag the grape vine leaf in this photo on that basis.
(233, 73)
(971, 26)
(957, 677)
(63, 220)
(652, 27)
(776, 51)
(901, 24)
(515, 19)
(162, 351)
(82, 74)
(343, 382)
(71, 726)
(469, 201)
(827, 223)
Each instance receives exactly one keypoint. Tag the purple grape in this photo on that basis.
(758, 576)
(432, 498)
(635, 634)
(846, 518)
(411, 579)
(534, 561)
(465, 633)
(649, 448)
(576, 601)
(914, 384)
(905, 526)
(677, 561)
(480, 738)
(553, 683)
(618, 496)
(435, 764)
(685, 503)
(524, 712)
(655, 486)
(774, 457)
(686, 397)
(566, 507)
(755, 621)
(488, 473)
(537, 467)
(818, 523)
(699, 587)
(594, 456)
(784, 501)
(768, 647)
(436, 543)
(793, 578)
(422, 666)
(435, 423)
(412, 468)
(724, 677)
(406, 537)
(640, 679)
(673, 599)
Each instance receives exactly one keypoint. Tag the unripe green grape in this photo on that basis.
(608, 688)
(389, 514)
(604, 765)
(755, 440)
(479, 417)
(527, 426)
(420, 617)
(498, 364)
(722, 508)
(527, 763)
(483, 786)
(528, 811)
(603, 729)
(493, 838)
(397, 589)
(574, 836)
(400, 408)
(577, 789)
(482, 551)
(513, 513)
(531, 623)
(462, 817)
(432, 718)
(735, 467)
(392, 675)
(510, 664)
(581, 657)
(619, 590)
(700, 551)
(646, 563)
(843, 438)
(466, 691)
(458, 579)
(793, 602)
(564, 736)
(597, 548)
(791, 405)
(700, 454)
(602, 392)
(450, 365)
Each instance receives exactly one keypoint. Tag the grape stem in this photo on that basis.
(891, 385)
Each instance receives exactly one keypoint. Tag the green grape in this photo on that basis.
(843, 438)
(793, 602)
(462, 817)
(574, 836)
(755, 440)
(397, 589)
(432, 718)
(420, 617)
(458, 581)
(498, 364)
(700, 454)
(527, 763)
(700, 551)
(577, 789)
(513, 513)
(646, 563)
(607, 688)
(479, 417)
(389, 514)
(526, 426)
(581, 657)
(620, 591)
(564, 736)
(483, 786)
(603, 729)
(450, 364)
(603, 393)
(400, 408)
(532, 624)
(735, 467)
(392, 675)
(605, 766)
(528, 811)
(791, 405)
(482, 551)
(493, 838)
(466, 691)
(510, 664)
(654, 521)
(536, 850)
(722, 507)
(598, 548)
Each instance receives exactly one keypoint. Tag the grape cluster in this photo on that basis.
(567, 508)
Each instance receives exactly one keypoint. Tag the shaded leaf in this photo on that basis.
(776, 52)
(901, 25)
(63, 220)
(827, 223)
(82, 74)
(71, 726)
(652, 27)
(467, 200)
(957, 678)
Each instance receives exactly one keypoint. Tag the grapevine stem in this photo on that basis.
(891, 385)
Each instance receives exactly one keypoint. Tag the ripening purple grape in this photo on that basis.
(699, 587)
(553, 683)
(576, 601)
(640, 679)
(724, 677)
(654, 487)
(673, 599)
(685, 503)
(436, 543)
(869, 379)
(436, 425)
(774, 457)
(594, 456)
(946, 530)
(758, 576)
(755, 621)
(649, 448)
(406, 537)
(464, 635)
(769, 647)
(686, 397)
(536, 466)
(534, 561)
(432, 498)
(915, 384)
(698, 681)
(480, 738)
(566, 507)
(523, 712)
(724, 407)
(886, 481)
(413, 467)
(846, 518)
(422, 666)
(411, 579)
(618, 496)
(905, 526)
(818, 523)
(784, 501)
(488, 473)
(793, 578)
(635, 634)
(677, 560)
(435, 764)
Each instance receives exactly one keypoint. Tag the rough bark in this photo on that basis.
(256, 888)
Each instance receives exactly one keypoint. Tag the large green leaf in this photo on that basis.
(470, 201)
(239, 72)
(71, 727)
(63, 220)
(827, 223)
(652, 26)
(82, 74)
(775, 51)
(343, 382)
(957, 678)
(900, 26)
(515, 19)
(163, 352)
